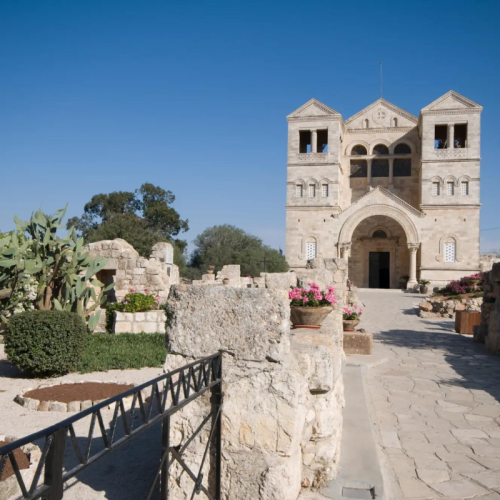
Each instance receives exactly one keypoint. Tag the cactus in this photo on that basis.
(61, 268)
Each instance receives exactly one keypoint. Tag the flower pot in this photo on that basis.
(210, 271)
(225, 281)
(424, 289)
(350, 324)
(309, 317)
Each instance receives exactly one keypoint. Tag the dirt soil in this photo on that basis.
(65, 393)
(22, 460)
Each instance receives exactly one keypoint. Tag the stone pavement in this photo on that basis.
(435, 403)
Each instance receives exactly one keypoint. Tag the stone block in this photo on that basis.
(140, 316)
(74, 406)
(253, 323)
(43, 406)
(358, 343)
(149, 327)
(123, 327)
(58, 406)
(84, 405)
(281, 281)
(111, 264)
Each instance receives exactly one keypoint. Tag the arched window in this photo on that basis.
(402, 149)
(358, 150)
(450, 250)
(380, 149)
(395, 122)
(310, 248)
(312, 190)
(379, 234)
(366, 124)
(299, 190)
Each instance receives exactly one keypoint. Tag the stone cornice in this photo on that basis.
(387, 193)
(388, 105)
(450, 160)
(320, 118)
(311, 208)
(378, 130)
(463, 111)
(318, 164)
(452, 206)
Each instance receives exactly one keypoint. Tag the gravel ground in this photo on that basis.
(124, 474)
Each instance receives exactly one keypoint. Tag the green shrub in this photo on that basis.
(46, 343)
(120, 352)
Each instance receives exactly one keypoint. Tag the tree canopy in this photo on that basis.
(142, 218)
(222, 245)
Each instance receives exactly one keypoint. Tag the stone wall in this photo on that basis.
(128, 270)
(486, 261)
(283, 388)
(492, 317)
(141, 322)
(441, 307)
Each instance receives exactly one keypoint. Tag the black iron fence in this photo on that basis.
(168, 394)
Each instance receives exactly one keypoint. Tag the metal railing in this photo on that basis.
(169, 393)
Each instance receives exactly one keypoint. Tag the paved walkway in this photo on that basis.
(436, 403)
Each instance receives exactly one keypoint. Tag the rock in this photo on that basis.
(58, 406)
(253, 323)
(425, 306)
(43, 406)
(74, 406)
(84, 405)
(281, 281)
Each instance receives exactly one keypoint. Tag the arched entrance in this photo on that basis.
(380, 243)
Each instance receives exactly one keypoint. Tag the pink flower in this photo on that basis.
(305, 300)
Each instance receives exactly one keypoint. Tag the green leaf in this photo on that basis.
(8, 262)
(57, 305)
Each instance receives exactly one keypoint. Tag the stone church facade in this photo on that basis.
(395, 195)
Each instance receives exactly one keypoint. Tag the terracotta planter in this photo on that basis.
(309, 317)
(350, 324)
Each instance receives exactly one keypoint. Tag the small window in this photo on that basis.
(436, 188)
(440, 136)
(324, 190)
(312, 190)
(299, 190)
(394, 122)
(460, 136)
(449, 251)
(379, 234)
(450, 188)
(305, 141)
(358, 150)
(322, 138)
(464, 188)
(380, 149)
(402, 149)
(310, 250)
(366, 124)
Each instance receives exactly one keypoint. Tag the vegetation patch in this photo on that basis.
(124, 351)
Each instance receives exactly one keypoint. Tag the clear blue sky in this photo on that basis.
(98, 96)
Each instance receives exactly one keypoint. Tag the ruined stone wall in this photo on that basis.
(283, 388)
(129, 270)
(441, 307)
(492, 339)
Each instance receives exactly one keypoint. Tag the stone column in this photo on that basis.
(451, 136)
(369, 174)
(391, 172)
(344, 253)
(314, 141)
(412, 282)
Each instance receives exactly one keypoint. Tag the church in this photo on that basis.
(395, 195)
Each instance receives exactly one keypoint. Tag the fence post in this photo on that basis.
(54, 465)
(165, 456)
(217, 411)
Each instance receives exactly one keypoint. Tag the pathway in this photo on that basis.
(436, 403)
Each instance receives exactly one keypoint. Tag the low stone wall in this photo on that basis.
(141, 322)
(441, 307)
(490, 320)
(283, 388)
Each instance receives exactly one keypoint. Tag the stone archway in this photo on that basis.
(398, 215)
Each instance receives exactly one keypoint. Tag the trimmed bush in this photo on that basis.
(46, 343)
(125, 351)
